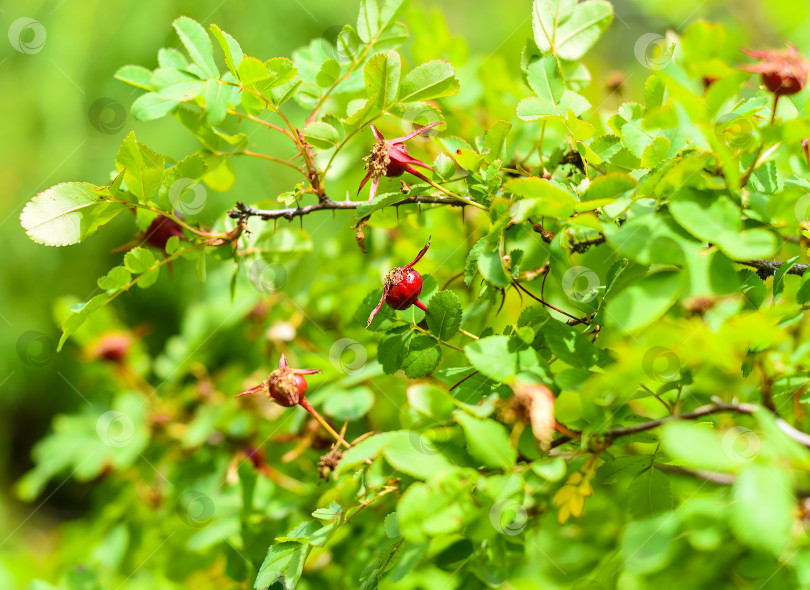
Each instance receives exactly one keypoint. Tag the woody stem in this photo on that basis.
(308, 407)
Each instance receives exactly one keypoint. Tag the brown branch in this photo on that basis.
(243, 211)
(767, 268)
(609, 436)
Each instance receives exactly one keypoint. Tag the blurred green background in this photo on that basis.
(65, 115)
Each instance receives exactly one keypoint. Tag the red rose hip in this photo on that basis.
(402, 287)
(286, 386)
(406, 292)
(783, 72)
(160, 230)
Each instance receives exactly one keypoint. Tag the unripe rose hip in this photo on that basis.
(286, 386)
(402, 287)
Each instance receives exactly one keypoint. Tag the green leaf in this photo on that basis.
(117, 278)
(233, 53)
(412, 453)
(487, 441)
(501, 357)
(392, 348)
(139, 260)
(762, 511)
(430, 400)
(142, 167)
(431, 80)
(646, 546)
(137, 76)
(391, 526)
(78, 315)
(328, 74)
(349, 404)
(548, 200)
(609, 186)
(284, 561)
(376, 16)
(424, 354)
(491, 268)
(537, 109)
(654, 89)
(216, 102)
(444, 166)
(444, 315)
(381, 201)
(546, 80)
(650, 493)
(655, 153)
(803, 292)
(152, 106)
(570, 346)
(643, 302)
(700, 447)
(198, 44)
(714, 217)
(321, 135)
(653, 239)
(66, 214)
(365, 449)
(569, 29)
(495, 140)
(169, 57)
(382, 73)
(471, 264)
(426, 510)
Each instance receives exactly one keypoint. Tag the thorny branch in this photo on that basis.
(716, 408)
(242, 211)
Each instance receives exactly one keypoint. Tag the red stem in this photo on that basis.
(304, 403)
(420, 305)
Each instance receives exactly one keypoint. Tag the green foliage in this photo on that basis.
(611, 371)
